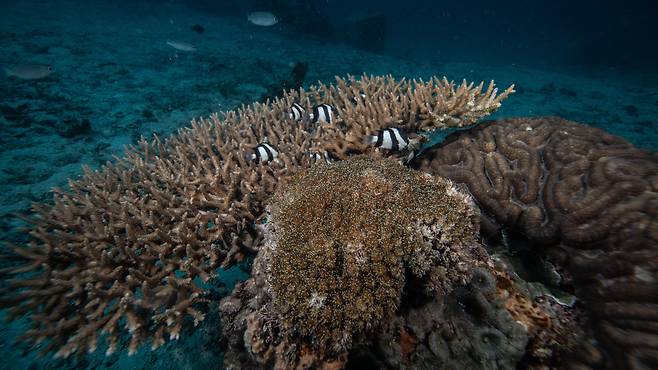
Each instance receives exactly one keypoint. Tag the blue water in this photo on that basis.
(115, 79)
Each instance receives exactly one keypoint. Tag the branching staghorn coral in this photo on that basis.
(586, 199)
(371, 104)
(124, 248)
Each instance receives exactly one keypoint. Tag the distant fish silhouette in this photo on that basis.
(198, 28)
(264, 19)
(182, 46)
(29, 71)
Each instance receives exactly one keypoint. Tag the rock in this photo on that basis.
(71, 127)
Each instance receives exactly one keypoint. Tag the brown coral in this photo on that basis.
(341, 236)
(371, 104)
(591, 193)
(126, 243)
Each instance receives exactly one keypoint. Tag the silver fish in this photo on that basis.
(182, 46)
(264, 19)
(29, 71)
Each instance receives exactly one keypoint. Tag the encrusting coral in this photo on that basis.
(125, 247)
(588, 201)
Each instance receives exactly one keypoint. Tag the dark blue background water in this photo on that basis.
(583, 34)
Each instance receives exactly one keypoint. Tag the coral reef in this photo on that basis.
(588, 201)
(367, 263)
(127, 247)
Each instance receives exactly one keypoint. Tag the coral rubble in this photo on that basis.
(588, 201)
(125, 249)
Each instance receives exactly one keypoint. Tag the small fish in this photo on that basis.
(264, 19)
(296, 112)
(182, 46)
(29, 71)
(263, 153)
(198, 28)
(317, 157)
(323, 113)
(361, 94)
(390, 138)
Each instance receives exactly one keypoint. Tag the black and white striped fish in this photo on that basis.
(317, 157)
(323, 113)
(362, 94)
(263, 153)
(390, 138)
(296, 112)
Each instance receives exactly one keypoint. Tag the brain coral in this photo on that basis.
(588, 200)
(341, 236)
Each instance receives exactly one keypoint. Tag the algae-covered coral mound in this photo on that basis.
(341, 236)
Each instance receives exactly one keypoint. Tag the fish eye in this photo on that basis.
(50, 68)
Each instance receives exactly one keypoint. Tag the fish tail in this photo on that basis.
(370, 139)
